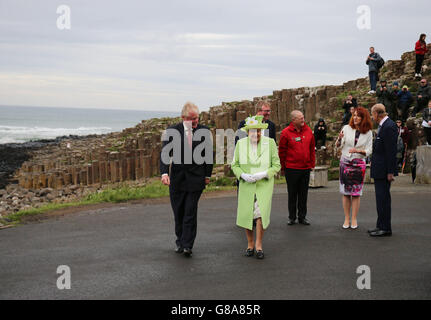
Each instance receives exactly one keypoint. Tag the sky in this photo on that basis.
(156, 55)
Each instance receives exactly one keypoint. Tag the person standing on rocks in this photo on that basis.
(255, 164)
(423, 96)
(420, 50)
(297, 157)
(185, 176)
(374, 62)
(383, 168)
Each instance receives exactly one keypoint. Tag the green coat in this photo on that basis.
(244, 162)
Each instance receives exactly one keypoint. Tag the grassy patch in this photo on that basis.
(123, 193)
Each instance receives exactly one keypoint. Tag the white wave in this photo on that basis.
(19, 134)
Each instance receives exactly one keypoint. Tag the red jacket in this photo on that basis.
(296, 149)
(420, 48)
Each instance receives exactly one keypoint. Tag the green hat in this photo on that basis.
(255, 122)
(405, 87)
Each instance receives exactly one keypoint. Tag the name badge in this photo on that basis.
(298, 139)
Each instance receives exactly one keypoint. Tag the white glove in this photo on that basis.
(248, 177)
(260, 175)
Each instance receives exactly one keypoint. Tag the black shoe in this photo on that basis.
(249, 252)
(381, 233)
(373, 230)
(291, 222)
(259, 254)
(188, 252)
(304, 222)
(179, 249)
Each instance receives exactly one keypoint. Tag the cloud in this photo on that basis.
(158, 54)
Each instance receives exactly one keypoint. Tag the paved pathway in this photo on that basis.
(126, 252)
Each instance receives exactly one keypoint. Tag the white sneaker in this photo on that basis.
(323, 147)
(371, 92)
(419, 75)
(416, 75)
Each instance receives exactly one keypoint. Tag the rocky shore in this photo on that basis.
(70, 167)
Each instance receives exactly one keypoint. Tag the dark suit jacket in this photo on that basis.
(383, 159)
(271, 128)
(187, 176)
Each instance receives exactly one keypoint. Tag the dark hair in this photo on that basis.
(422, 36)
(365, 124)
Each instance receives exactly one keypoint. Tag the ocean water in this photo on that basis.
(22, 124)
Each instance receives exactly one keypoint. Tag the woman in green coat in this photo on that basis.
(255, 164)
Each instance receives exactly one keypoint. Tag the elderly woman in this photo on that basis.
(356, 141)
(255, 164)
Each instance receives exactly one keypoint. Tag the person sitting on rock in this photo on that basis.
(405, 101)
(423, 96)
(384, 97)
(320, 131)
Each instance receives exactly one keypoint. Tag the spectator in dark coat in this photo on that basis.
(320, 131)
(405, 99)
(424, 94)
(394, 97)
(384, 97)
(263, 108)
(350, 102)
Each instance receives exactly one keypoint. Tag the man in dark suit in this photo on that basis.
(263, 108)
(187, 153)
(383, 168)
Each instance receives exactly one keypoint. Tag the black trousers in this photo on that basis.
(419, 61)
(185, 207)
(297, 188)
(321, 138)
(383, 204)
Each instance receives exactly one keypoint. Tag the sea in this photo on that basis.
(20, 124)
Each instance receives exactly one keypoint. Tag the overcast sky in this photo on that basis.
(156, 55)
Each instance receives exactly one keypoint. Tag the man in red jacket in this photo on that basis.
(297, 158)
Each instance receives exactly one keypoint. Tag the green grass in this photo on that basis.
(343, 96)
(120, 194)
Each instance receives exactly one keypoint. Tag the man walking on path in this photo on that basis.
(383, 168)
(185, 176)
(297, 158)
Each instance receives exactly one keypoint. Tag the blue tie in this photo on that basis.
(378, 129)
